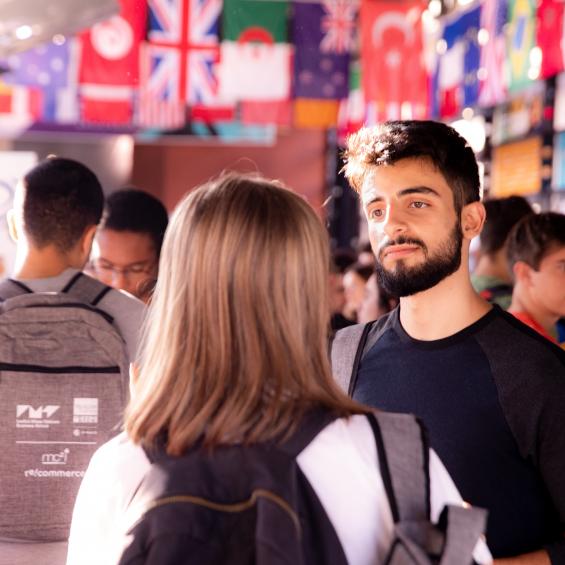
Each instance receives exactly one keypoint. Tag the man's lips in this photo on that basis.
(399, 251)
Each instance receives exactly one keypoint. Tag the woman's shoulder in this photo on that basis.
(118, 457)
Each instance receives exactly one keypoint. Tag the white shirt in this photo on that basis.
(341, 464)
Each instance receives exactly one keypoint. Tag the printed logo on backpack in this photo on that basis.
(63, 388)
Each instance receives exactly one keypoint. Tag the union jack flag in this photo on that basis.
(492, 87)
(180, 61)
(338, 25)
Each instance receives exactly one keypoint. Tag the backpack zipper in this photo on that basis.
(231, 508)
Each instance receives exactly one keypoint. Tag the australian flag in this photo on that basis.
(51, 69)
(324, 37)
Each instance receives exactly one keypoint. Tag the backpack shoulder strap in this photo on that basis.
(10, 288)
(350, 345)
(347, 349)
(403, 452)
(86, 289)
(310, 426)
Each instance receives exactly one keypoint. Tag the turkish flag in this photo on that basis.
(394, 76)
(109, 68)
(550, 36)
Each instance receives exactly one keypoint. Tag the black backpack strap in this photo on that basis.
(86, 289)
(403, 452)
(10, 288)
(347, 350)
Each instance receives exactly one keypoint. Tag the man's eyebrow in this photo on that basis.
(418, 190)
(405, 192)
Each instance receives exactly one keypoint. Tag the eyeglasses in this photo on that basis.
(104, 267)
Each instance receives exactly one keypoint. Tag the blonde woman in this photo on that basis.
(234, 363)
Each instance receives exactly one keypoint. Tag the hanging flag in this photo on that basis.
(324, 36)
(53, 69)
(550, 34)
(179, 64)
(458, 65)
(493, 75)
(255, 56)
(277, 112)
(520, 42)
(394, 77)
(352, 110)
(109, 70)
(318, 114)
(20, 107)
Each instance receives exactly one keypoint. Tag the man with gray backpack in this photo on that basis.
(66, 341)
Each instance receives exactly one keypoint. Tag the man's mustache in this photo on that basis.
(402, 240)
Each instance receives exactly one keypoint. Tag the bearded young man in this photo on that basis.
(490, 391)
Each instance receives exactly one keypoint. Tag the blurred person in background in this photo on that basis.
(536, 253)
(366, 256)
(354, 280)
(337, 299)
(492, 277)
(128, 242)
(376, 302)
(233, 373)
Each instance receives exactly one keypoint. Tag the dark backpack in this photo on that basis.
(253, 505)
(63, 388)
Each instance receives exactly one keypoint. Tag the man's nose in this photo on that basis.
(394, 223)
(119, 279)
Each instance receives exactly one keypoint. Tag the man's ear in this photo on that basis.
(522, 273)
(473, 217)
(86, 241)
(12, 225)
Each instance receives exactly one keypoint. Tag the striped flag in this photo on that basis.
(493, 85)
(179, 64)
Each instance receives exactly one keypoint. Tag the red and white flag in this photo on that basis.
(394, 75)
(109, 69)
(20, 107)
(550, 36)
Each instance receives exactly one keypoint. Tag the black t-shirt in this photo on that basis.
(493, 399)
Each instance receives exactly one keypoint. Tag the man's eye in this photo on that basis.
(137, 269)
(418, 204)
(376, 213)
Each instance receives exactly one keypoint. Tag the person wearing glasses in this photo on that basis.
(128, 243)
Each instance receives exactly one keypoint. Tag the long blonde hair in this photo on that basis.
(234, 348)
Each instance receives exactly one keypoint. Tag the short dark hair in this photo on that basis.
(502, 215)
(131, 209)
(534, 236)
(62, 198)
(387, 143)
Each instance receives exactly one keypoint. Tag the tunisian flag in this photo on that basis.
(394, 76)
(109, 68)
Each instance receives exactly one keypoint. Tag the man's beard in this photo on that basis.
(406, 281)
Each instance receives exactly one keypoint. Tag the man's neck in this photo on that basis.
(441, 311)
(40, 263)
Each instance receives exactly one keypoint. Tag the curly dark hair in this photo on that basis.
(438, 143)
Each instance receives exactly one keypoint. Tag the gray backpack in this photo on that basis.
(403, 451)
(63, 389)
